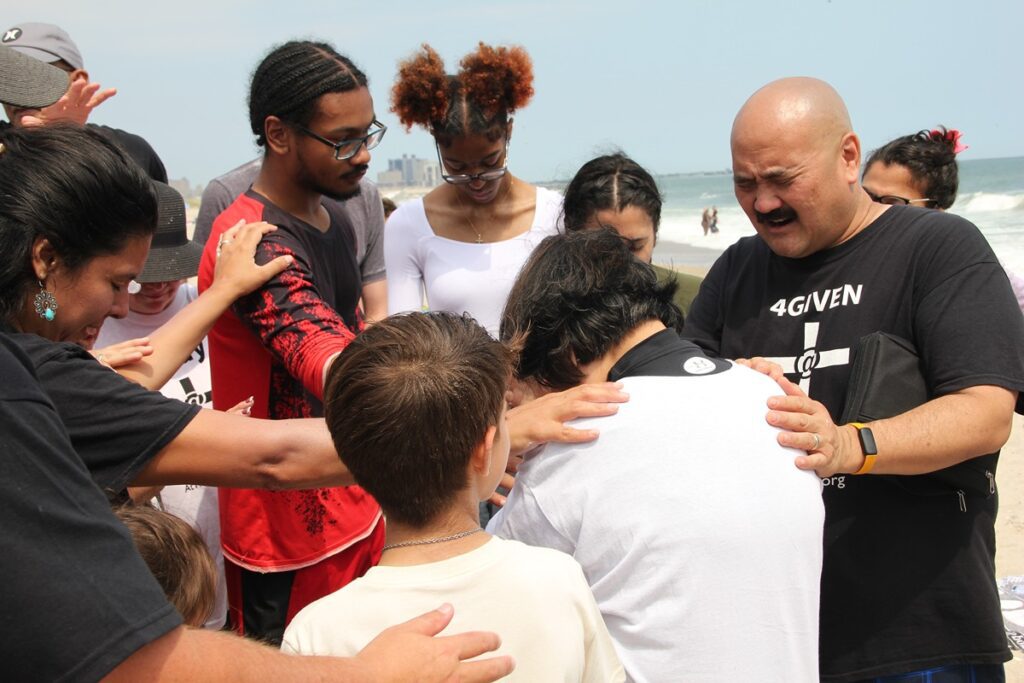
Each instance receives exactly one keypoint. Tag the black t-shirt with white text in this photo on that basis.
(908, 577)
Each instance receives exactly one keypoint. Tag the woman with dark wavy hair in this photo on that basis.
(921, 170)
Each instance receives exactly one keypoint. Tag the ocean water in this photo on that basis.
(991, 196)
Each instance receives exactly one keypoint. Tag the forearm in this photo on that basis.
(174, 341)
(938, 434)
(218, 449)
(195, 654)
(375, 301)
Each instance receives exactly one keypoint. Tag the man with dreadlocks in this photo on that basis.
(311, 111)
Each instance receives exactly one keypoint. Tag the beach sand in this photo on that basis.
(1009, 476)
(1010, 522)
(683, 257)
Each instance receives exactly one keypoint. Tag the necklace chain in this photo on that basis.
(479, 235)
(430, 541)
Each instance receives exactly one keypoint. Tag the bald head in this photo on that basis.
(804, 106)
(795, 165)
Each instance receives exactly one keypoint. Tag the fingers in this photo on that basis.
(573, 435)
(578, 409)
(486, 670)
(231, 232)
(101, 97)
(251, 233)
(817, 462)
(123, 353)
(497, 499)
(789, 388)
(603, 392)
(276, 267)
(473, 643)
(791, 421)
(83, 95)
(431, 623)
(242, 407)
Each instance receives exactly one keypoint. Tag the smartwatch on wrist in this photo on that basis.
(867, 447)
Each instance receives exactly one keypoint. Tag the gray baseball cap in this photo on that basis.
(27, 82)
(44, 42)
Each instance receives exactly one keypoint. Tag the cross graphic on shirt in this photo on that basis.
(811, 358)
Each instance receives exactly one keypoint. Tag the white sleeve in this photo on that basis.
(404, 272)
(523, 519)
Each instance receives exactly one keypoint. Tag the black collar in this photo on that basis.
(666, 355)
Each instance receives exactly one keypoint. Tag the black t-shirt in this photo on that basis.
(908, 576)
(115, 426)
(78, 599)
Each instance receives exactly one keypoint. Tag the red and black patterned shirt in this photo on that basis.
(273, 345)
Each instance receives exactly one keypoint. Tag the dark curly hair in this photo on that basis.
(492, 83)
(579, 295)
(610, 182)
(930, 157)
(290, 80)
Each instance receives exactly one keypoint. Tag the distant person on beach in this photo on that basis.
(462, 244)
(363, 211)
(703, 571)
(908, 581)
(713, 220)
(311, 111)
(921, 169)
(614, 191)
(705, 220)
(51, 44)
(441, 377)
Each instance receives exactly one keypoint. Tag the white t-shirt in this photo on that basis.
(197, 505)
(700, 538)
(536, 599)
(461, 277)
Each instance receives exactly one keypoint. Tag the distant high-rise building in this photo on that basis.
(410, 171)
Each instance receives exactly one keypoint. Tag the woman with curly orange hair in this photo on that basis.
(462, 244)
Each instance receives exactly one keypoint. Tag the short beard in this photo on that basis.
(340, 196)
(310, 183)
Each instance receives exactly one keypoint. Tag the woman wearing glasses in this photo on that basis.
(921, 170)
(918, 169)
(462, 244)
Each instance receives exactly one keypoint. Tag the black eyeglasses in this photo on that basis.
(464, 178)
(892, 199)
(346, 149)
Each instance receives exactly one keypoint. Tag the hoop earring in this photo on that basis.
(45, 303)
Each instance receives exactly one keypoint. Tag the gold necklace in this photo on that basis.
(466, 211)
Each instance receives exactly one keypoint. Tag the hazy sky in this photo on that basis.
(661, 80)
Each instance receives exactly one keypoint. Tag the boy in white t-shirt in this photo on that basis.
(416, 408)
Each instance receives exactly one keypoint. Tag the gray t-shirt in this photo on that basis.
(364, 211)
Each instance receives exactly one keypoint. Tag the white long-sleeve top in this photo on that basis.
(462, 277)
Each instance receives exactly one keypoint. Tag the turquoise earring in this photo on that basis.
(45, 303)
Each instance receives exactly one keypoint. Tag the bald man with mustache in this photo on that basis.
(908, 575)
